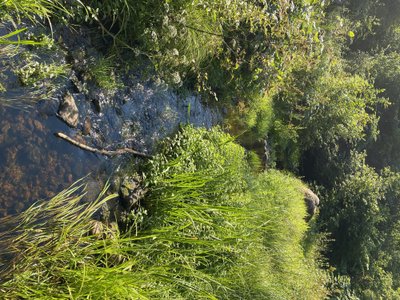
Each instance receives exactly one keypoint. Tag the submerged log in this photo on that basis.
(101, 151)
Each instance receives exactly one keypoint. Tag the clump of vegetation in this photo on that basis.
(34, 72)
(31, 9)
(252, 120)
(222, 48)
(320, 109)
(103, 72)
(319, 81)
(194, 150)
(34, 75)
(203, 237)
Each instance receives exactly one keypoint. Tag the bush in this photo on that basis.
(201, 151)
(219, 47)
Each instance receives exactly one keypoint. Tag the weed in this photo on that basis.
(7, 39)
(32, 9)
(102, 72)
(35, 72)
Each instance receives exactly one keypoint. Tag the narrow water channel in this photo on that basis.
(35, 164)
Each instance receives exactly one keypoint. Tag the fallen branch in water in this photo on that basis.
(101, 151)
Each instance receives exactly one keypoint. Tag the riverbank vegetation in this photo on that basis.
(312, 85)
(212, 230)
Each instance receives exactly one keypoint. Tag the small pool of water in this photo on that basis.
(35, 164)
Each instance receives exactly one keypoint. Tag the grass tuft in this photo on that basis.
(32, 9)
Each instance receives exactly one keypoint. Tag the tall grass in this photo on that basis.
(201, 240)
(103, 73)
(32, 9)
(292, 271)
(7, 39)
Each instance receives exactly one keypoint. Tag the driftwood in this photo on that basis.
(101, 151)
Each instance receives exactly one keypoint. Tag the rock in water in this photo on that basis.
(87, 126)
(68, 110)
(312, 202)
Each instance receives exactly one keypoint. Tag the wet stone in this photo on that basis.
(87, 126)
(68, 110)
(93, 189)
(312, 202)
(79, 85)
(115, 183)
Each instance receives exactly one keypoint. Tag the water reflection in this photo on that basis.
(34, 164)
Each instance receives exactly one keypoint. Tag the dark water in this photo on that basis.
(34, 164)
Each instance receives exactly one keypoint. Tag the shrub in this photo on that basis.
(219, 47)
(201, 151)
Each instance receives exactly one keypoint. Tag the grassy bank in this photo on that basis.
(209, 233)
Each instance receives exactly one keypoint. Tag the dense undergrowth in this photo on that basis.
(317, 80)
(213, 231)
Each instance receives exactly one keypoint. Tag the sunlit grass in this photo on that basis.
(32, 9)
(103, 73)
(200, 240)
(37, 12)
(7, 39)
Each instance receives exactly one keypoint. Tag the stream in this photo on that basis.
(35, 164)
